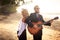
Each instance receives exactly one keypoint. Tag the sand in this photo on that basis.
(8, 30)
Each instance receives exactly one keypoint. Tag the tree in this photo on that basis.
(5, 2)
(7, 6)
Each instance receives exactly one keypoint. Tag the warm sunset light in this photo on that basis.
(47, 7)
(30, 20)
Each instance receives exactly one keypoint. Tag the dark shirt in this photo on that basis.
(35, 17)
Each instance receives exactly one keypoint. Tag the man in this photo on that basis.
(35, 17)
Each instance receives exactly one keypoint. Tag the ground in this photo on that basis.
(8, 29)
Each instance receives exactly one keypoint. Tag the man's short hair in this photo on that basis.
(36, 6)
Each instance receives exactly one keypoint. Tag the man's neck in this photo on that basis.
(37, 12)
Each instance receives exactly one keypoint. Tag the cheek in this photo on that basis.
(22, 14)
(37, 9)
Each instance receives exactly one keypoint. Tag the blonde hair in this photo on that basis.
(25, 11)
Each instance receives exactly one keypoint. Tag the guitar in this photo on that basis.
(37, 26)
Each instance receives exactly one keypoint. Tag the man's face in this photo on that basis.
(36, 9)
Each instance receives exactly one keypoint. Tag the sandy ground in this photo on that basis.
(8, 30)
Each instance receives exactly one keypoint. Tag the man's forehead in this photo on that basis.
(36, 6)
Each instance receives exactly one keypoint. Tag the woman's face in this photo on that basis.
(25, 13)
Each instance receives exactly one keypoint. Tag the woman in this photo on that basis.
(22, 26)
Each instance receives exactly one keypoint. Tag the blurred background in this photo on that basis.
(10, 14)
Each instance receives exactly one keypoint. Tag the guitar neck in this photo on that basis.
(48, 22)
(51, 20)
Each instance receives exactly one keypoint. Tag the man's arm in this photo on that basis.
(28, 20)
(46, 23)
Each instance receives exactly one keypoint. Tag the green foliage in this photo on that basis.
(7, 7)
(5, 2)
(11, 8)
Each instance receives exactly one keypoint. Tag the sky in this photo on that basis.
(47, 7)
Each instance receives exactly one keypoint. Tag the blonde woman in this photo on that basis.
(22, 25)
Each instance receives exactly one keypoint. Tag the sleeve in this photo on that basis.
(18, 28)
(46, 23)
(21, 27)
